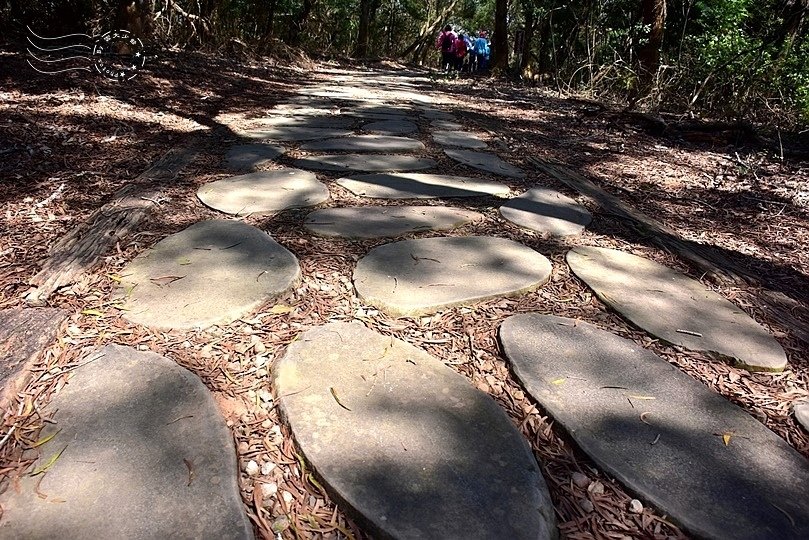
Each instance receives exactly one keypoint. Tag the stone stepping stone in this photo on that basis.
(801, 412)
(264, 192)
(139, 450)
(446, 125)
(433, 114)
(330, 122)
(676, 308)
(386, 221)
(295, 133)
(365, 162)
(678, 445)
(420, 186)
(213, 272)
(366, 143)
(546, 211)
(391, 127)
(245, 157)
(25, 333)
(415, 277)
(407, 443)
(485, 162)
(458, 139)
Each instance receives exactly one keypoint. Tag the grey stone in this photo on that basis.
(446, 125)
(676, 308)
(295, 133)
(435, 114)
(801, 412)
(385, 221)
(668, 438)
(331, 122)
(365, 162)
(391, 127)
(143, 452)
(485, 161)
(422, 276)
(264, 192)
(420, 186)
(458, 139)
(25, 333)
(248, 157)
(213, 272)
(546, 211)
(366, 143)
(407, 443)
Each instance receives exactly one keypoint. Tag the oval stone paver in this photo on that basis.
(406, 442)
(801, 412)
(246, 157)
(458, 139)
(680, 446)
(295, 133)
(446, 125)
(421, 276)
(213, 272)
(676, 308)
(386, 221)
(331, 122)
(264, 192)
(485, 161)
(420, 186)
(546, 211)
(367, 143)
(130, 427)
(391, 127)
(435, 114)
(365, 162)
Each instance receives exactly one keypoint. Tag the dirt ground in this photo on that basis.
(68, 143)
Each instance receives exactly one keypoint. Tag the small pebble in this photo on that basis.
(280, 524)
(596, 488)
(267, 467)
(259, 347)
(266, 424)
(252, 468)
(265, 395)
(243, 447)
(580, 479)
(270, 489)
(287, 496)
(635, 506)
(587, 505)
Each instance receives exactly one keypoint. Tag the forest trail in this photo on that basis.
(388, 345)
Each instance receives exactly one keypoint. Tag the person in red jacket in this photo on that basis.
(446, 44)
(460, 49)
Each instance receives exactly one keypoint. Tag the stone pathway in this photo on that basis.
(366, 143)
(406, 442)
(364, 162)
(458, 139)
(139, 450)
(249, 157)
(485, 162)
(391, 127)
(386, 221)
(420, 186)
(668, 438)
(546, 211)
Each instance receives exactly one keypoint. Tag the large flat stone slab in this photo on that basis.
(365, 162)
(366, 143)
(213, 272)
(142, 453)
(801, 412)
(420, 186)
(485, 161)
(676, 308)
(458, 139)
(264, 192)
(446, 125)
(414, 277)
(680, 446)
(330, 122)
(546, 211)
(249, 157)
(24, 335)
(406, 443)
(295, 133)
(391, 127)
(435, 114)
(386, 221)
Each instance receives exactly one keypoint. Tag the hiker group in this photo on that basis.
(462, 52)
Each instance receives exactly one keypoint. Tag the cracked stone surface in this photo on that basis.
(386, 221)
(213, 272)
(418, 452)
(420, 186)
(366, 143)
(365, 162)
(130, 426)
(414, 277)
(249, 157)
(677, 444)
(391, 127)
(458, 139)
(485, 161)
(546, 211)
(264, 192)
(671, 306)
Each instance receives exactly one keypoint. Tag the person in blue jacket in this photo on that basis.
(481, 50)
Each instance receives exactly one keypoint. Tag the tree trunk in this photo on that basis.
(364, 30)
(135, 16)
(297, 25)
(269, 19)
(529, 14)
(794, 12)
(654, 17)
(500, 38)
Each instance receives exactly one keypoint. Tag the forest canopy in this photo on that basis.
(738, 59)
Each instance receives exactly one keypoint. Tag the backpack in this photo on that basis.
(447, 42)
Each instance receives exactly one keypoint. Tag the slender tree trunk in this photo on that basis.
(269, 19)
(500, 38)
(364, 29)
(529, 14)
(654, 17)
